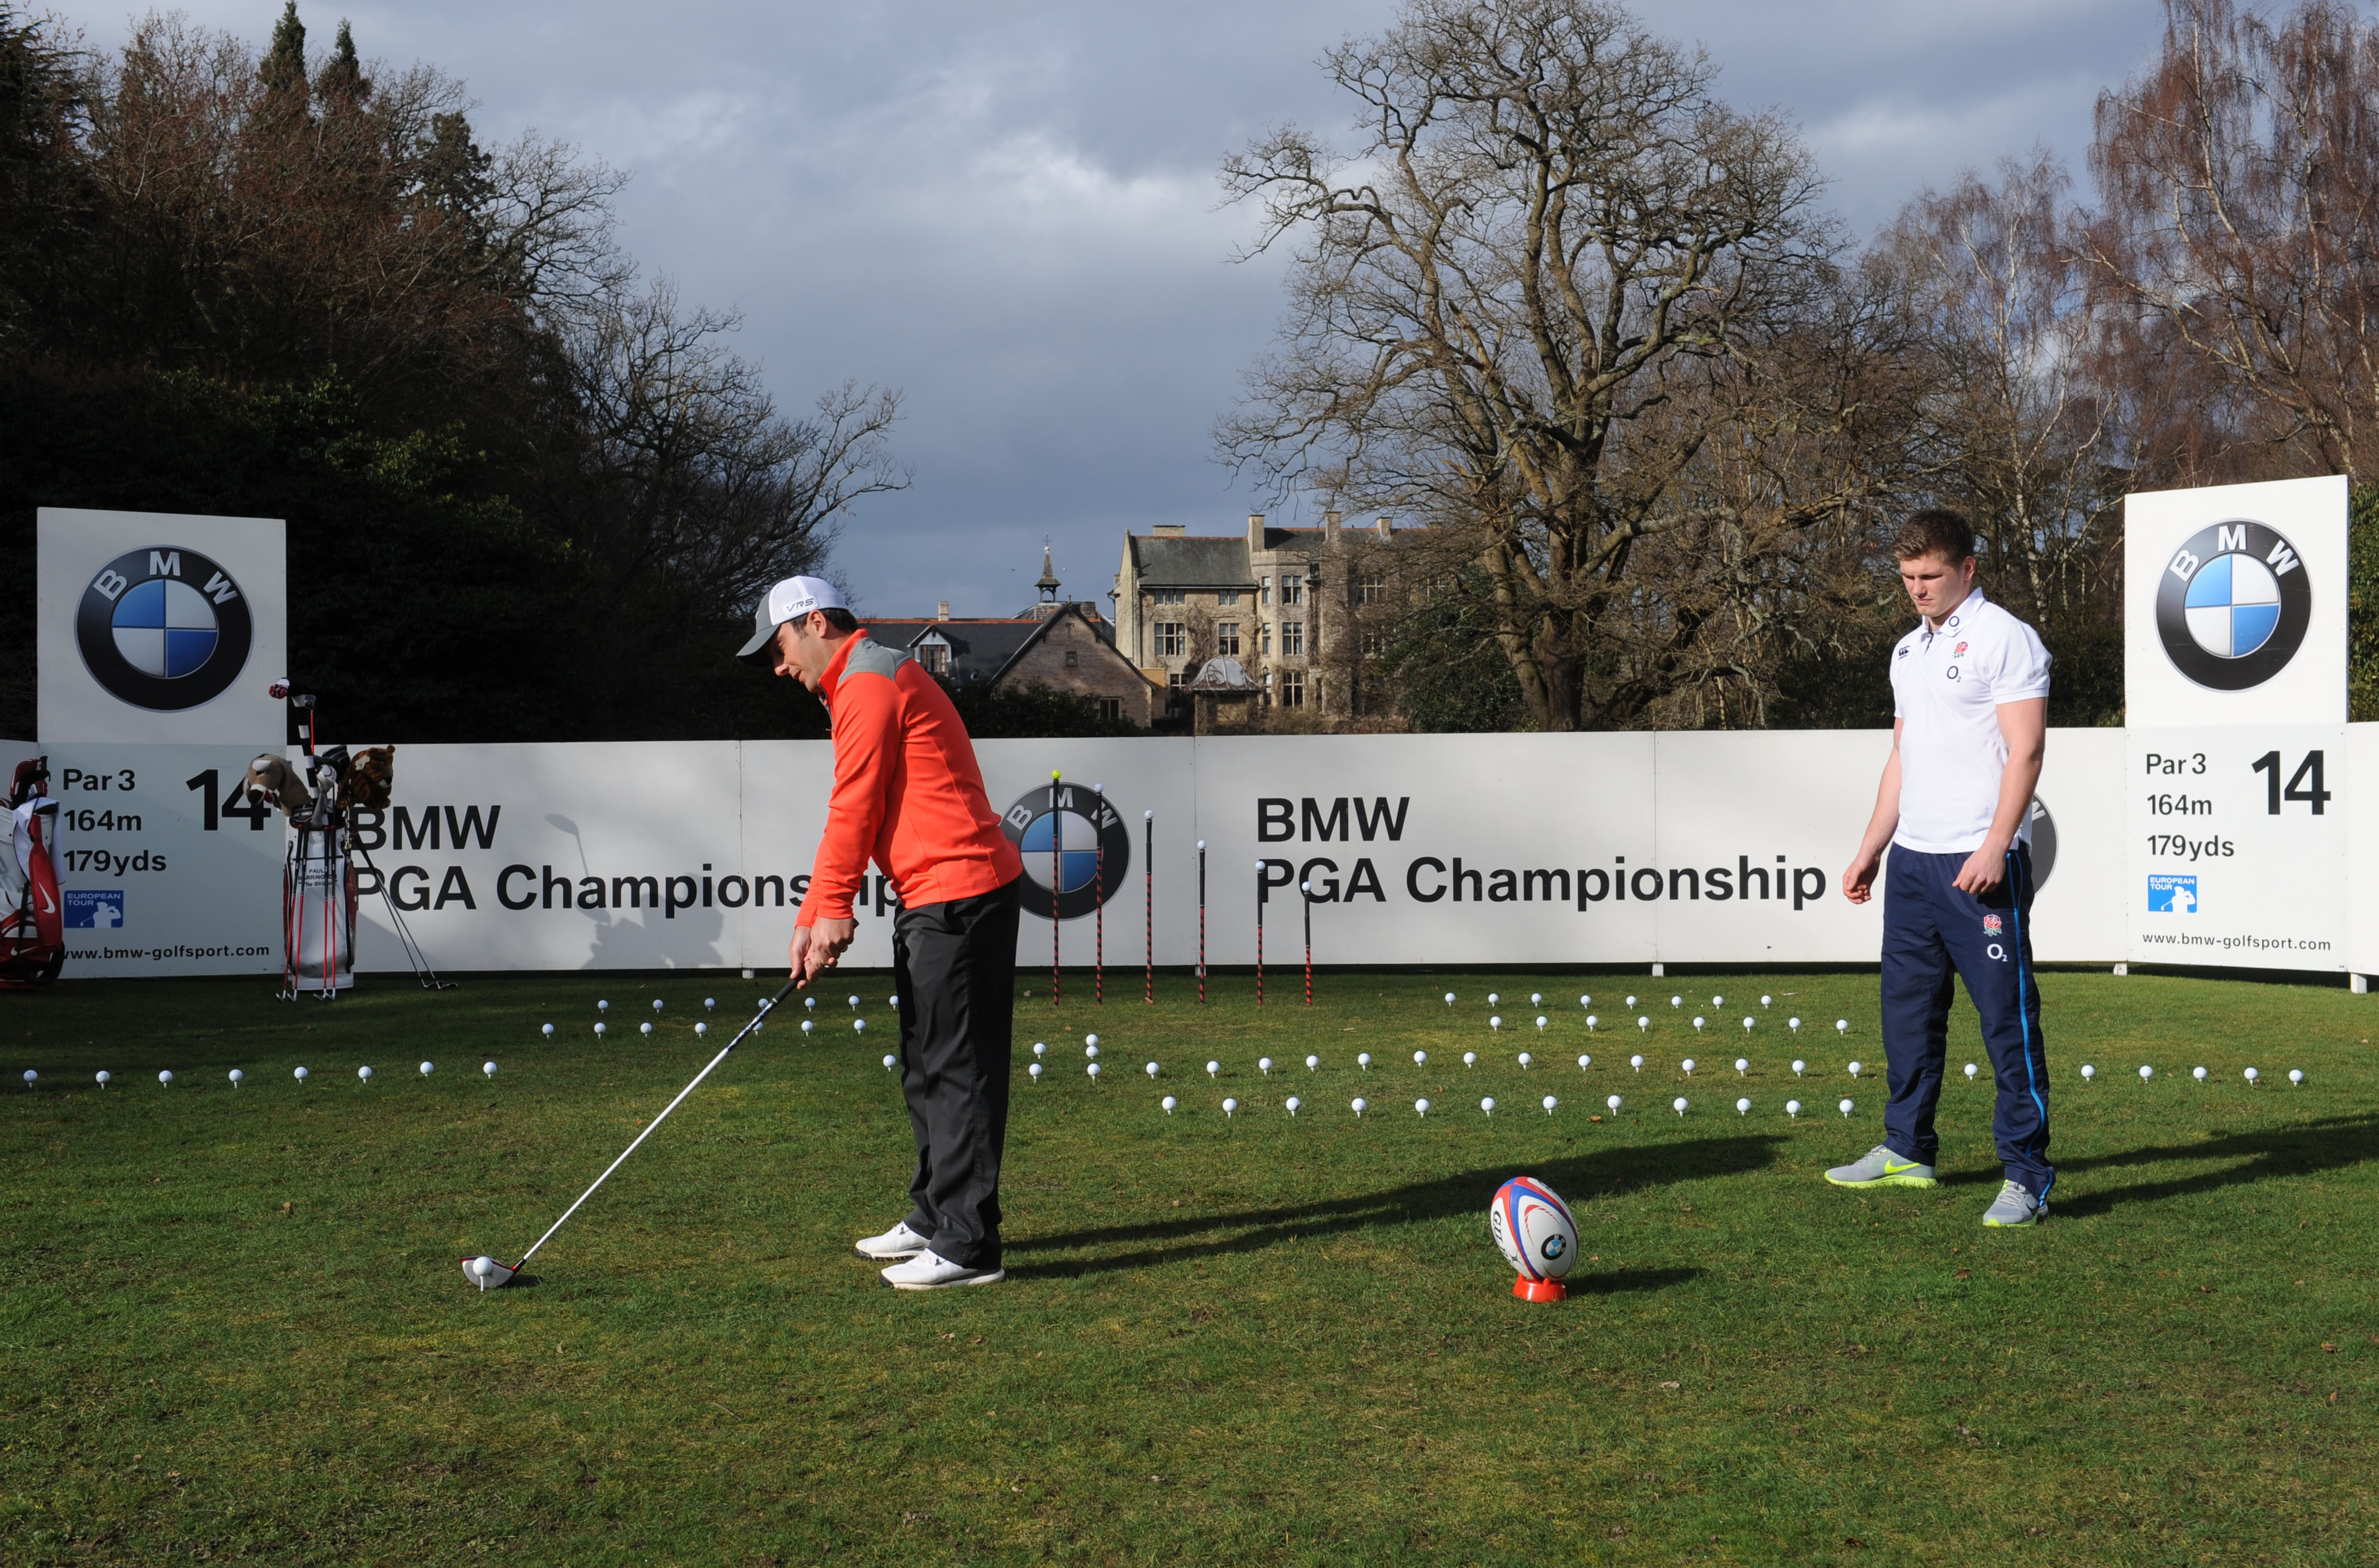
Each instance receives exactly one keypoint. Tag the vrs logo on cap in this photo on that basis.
(2232, 606)
(788, 599)
(163, 629)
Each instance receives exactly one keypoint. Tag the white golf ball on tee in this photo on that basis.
(645, 1029)
(1360, 1105)
(1636, 1062)
(1971, 1070)
(1792, 1108)
(2296, 1076)
(1842, 1026)
(1420, 1058)
(301, 1075)
(1797, 1066)
(1742, 1065)
(427, 1068)
(1363, 1060)
(2147, 1072)
(1091, 1051)
(1846, 1107)
(2088, 1072)
(1420, 1108)
(2197, 1073)
(1590, 1021)
(1151, 1069)
(1263, 1066)
(888, 1062)
(1631, 1001)
(1643, 1023)
(853, 1000)
(488, 1068)
(1743, 1107)
(1793, 1024)
(1541, 1022)
(1487, 1104)
(1091, 1041)
(1035, 1071)
(1586, 1001)
(1535, 998)
(1312, 1063)
(859, 1026)
(1613, 1102)
(701, 1029)
(2250, 1075)
(1214, 1070)
(1040, 1047)
(1495, 1022)
(1524, 1060)
(1449, 998)
(708, 1003)
(1688, 1065)
(1678, 1105)
(1093, 1070)
(1293, 1103)
(235, 1076)
(1697, 1025)
(1746, 1026)
(364, 1073)
(1169, 1102)
(657, 1004)
(809, 1026)
(102, 1077)
(1766, 1000)
(598, 1029)
(549, 1031)
(1494, 1000)
(1230, 1106)
(1854, 1069)
(1584, 1062)
(602, 1006)
(1469, 1058)
(1550, 1103)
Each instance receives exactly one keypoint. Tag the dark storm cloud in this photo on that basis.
(1009, 211)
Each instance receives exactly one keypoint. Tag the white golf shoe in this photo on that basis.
(930, 1271)
(898, 1242)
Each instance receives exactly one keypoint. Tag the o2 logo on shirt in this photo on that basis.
(163, 629)
(2232, 606)
(1072, 838)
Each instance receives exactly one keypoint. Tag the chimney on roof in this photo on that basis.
(1255, 530)
(1329, 528)
(942, 610)
(1170, 530)
(1386, 527)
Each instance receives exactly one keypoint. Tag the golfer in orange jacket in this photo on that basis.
(908, 795)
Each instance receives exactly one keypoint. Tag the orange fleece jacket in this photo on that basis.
(908, 792)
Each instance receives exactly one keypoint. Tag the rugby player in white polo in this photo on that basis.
(1970, 705)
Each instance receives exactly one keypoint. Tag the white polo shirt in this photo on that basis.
(1946, 688)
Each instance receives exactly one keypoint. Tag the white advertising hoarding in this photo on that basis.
(157, 628)
(2237, 780)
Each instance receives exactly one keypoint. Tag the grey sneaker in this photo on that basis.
(2015, 1206)
(1880, 1167)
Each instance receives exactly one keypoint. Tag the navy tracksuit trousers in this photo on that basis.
(1931, 931)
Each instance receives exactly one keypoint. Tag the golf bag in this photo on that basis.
(320, 884)
(32, 915)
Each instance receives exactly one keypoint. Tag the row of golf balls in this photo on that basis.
(1643, 1021)
(1487, 1105)
(165, 1075)
(701, 1029)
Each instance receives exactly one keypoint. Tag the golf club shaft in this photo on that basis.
(767, 1008)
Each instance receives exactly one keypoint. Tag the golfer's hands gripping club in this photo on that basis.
(818, 948)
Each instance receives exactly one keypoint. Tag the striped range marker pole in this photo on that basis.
(1057, 882)
(1307, 889)
(1099, 898)
(1260, 908)
(1148, 879)
(1201, 922)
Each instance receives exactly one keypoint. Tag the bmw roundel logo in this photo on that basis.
(1069, 835)
(2232, 606)
(1554, 1247)
(163, 629)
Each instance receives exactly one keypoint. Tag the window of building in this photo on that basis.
(1227, 597)
(1110, 710)
(1292, 590)
(1375, 644)
(1263, 638)
(1072, 658)
(1292, 639)
(936, 658)
(1263, 590)
(1226, 637)
(1373, 590)
(1167, 595)
(1175, 679)
(1292, 687)
(1172, 639)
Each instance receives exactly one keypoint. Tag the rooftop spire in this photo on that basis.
(1048, 582)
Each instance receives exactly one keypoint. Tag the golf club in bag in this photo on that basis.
(32, 922)
(487, 1274)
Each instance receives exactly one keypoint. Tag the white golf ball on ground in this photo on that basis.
(1091, 1041)
(701, 1029)
(1584, 1062)
(1792, 1108)
(301, 1075)
(1093, 1070)
(1263, 1066)
(1420, 1058)
(235, 1076)
(1688, 1065)
(1420, 1108)
(809, 1026)
(1524, 1060)
(1312, 1063)
(1151, 1069)
(657, 1004)
(1214, 1070)
(1541, 1022)
(364, 1073)
(1293, 1102)
(645, 1029)
(2088, 1072)
(1091, 1048)
(1842, 1026)
(1535, 998)
(889, 1061)
(1496, 1023)
(1487, 1104)
(1766, 1000)
(598, 1029)
(1550, 1103)
(1492, 999)
(1469, 1058)
(2296, 1076)
(1449, 998)
(1971, 1070)
(1797, 1066)
(1678, 1105)
(427, 1068)
(1793, 1024)
(1035, 1071)
(1360, 1105)
(488, 1068)
(1229, 1107)
(1613, 1102)
(2250, 1075)
(1643, 1024)
(708, 1003)
(1742, 1065)
(859, 1026)
(1854, 1069)
(1743, 1107)
(1363, 1060)
(2147, 1072)
(602, 1006)
(1590, 1021)
(1846, 1107)
(1169, 1102)
(1040, 1047)
(102, 1077)
(549, 1031)
(1698, 1024)
(1636, 1062)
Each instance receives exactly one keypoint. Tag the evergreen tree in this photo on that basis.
(284, 71)
(342, 80)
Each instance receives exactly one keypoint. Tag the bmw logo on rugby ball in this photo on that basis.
(2232, 606)
(1070, 836)
(163, 629)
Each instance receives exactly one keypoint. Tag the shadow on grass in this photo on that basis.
(1581, 1179)
(2300, 1150)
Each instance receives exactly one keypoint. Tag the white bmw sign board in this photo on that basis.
(161, 629)
(2235, 698)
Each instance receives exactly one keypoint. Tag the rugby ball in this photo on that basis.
(1534, 1228)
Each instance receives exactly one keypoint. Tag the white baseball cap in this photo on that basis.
(788, 600)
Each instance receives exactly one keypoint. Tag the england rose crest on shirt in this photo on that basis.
(1991, 926)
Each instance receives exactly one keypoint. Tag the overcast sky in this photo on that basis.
(1008, 211)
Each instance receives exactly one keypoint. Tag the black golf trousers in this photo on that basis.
(955, 964)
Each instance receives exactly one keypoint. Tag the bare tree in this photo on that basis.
(2239, 183)
(1511, 305)
(702, 485)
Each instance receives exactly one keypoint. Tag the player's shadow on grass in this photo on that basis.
(2302, 1149)
(1605, 1174)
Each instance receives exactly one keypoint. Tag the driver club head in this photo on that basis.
(487, 1274)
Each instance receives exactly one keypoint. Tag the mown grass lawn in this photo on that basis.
(234, 1327)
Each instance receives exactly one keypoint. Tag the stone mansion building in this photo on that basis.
(1286, 603)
